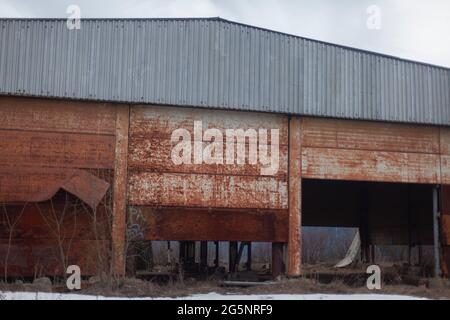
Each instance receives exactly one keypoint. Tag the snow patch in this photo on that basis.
(210, 296)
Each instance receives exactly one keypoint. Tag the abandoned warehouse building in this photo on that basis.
(200, 131)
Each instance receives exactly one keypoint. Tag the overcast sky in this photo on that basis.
(412, 29)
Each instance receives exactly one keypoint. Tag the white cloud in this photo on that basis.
(412, 29)
(10, 10)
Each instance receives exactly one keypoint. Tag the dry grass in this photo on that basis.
(131, 287)
(317, 279)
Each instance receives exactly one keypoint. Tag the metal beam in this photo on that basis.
(295, 183)
(120, 190)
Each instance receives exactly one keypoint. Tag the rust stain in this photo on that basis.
(445, 169)
(155, 180)
(61, 150)
(41, 257)
(201, 190)
(446, 199)
(154, 154)
(39, 220)
(188, 224)
(362, 165)
(120, 190)
(445, 227)
(160, 122)
(295, 205)
(57, 116)
(364, 135)
(445, 141)
(37, 185)
(445, 261)
(47, 146)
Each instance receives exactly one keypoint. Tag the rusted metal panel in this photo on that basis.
(188, 224)
(446, 199)
(155, 180)
(445, 225)
(48, 146)
(445, 169)
(160, 122)
(362, 165)
(445, 261)
(57, 116)
(61, 150)
(295, 198)
(445, 155)
(39, 184)
(445, 141)
(202, 190)
(364, 135)
(120, 190)
(42, 256)
(62, 217)
(154, 154)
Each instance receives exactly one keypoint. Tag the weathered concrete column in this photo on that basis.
(120, 190)
(295, 184)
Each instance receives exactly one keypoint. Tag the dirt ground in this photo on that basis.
(316, 279)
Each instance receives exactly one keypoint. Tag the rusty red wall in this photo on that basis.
(371, 151)
(445, 155)
(47, 147)
(173, 193)
(375, 152)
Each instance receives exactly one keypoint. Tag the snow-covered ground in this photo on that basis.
(209, 296)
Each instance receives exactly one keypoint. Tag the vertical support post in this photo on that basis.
(216, 261)
(437, 254)
(364, 223)
(118, 229)
(182, 253)
(372, 253)
(249, 256)
(277, 259)
(203, 256)
(408, 208)
(295, 184)
(169, 253)
(187, 255)
(233, 253)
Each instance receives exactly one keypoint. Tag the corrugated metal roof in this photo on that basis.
(216, 63)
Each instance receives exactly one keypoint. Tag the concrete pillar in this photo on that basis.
(295, 195)
(119, 208)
